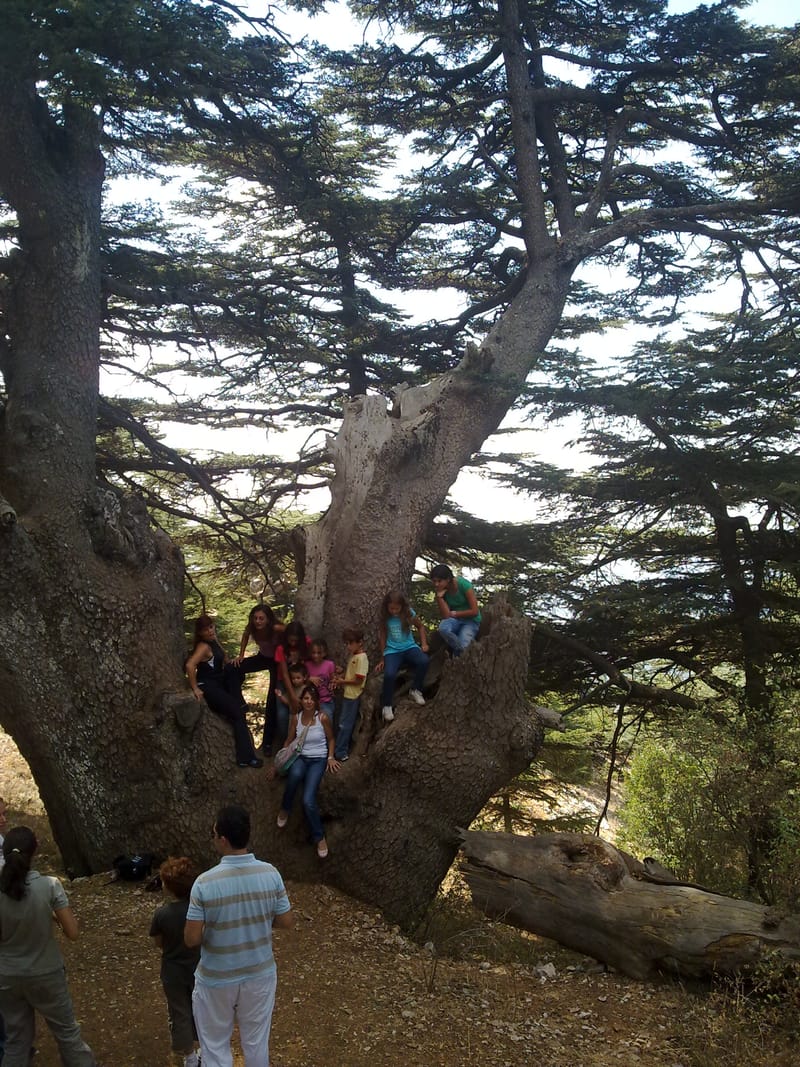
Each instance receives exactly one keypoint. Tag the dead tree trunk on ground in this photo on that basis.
(587, 895)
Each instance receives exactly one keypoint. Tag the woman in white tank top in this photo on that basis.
(310, 766)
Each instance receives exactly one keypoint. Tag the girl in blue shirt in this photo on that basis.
(398, 619)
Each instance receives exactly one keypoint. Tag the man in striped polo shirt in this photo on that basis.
(232, 910)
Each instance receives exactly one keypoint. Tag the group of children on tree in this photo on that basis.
(303, 680)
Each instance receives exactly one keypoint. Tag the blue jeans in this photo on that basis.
(458, 633)
(393, 661)
(347, 723)
(308, 770)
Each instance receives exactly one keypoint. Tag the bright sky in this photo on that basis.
(764, 12)
(335, 27)
(554, 444)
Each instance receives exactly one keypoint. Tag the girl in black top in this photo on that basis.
(212, 677)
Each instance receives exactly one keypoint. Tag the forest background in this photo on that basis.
(581, 193)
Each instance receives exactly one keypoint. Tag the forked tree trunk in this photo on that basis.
(394, 467)
(584, 893)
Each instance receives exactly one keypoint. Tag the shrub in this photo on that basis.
(713, 811)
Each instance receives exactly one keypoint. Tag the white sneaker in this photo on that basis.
(416, 696)
(388, 714)
(192, 1060)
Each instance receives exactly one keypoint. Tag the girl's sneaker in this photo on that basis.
(416, 696)
(192, 1060)
(388, 714)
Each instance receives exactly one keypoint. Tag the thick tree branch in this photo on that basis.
(523, 111)
(636, 691)
(683, 217)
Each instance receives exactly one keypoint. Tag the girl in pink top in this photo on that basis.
(321, 670)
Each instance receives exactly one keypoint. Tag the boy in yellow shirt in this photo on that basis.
(352, 683)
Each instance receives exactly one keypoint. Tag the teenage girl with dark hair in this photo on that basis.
(212, 677)
(293, 647)
(458, 607)
(263, 629)
(32, 976)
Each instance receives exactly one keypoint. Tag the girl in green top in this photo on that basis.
(458, 607)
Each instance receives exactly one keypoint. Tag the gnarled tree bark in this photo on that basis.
(393, 467)
(584, 893)
(90, 632)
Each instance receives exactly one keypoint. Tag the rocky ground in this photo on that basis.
(354, 992)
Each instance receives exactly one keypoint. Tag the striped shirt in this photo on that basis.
(237, 900)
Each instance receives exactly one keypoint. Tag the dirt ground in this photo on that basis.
(354, 992)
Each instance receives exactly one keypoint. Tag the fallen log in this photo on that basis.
(593, 898)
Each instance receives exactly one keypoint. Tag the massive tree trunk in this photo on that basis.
(90, 631)
(91, 648)
(584, 893)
